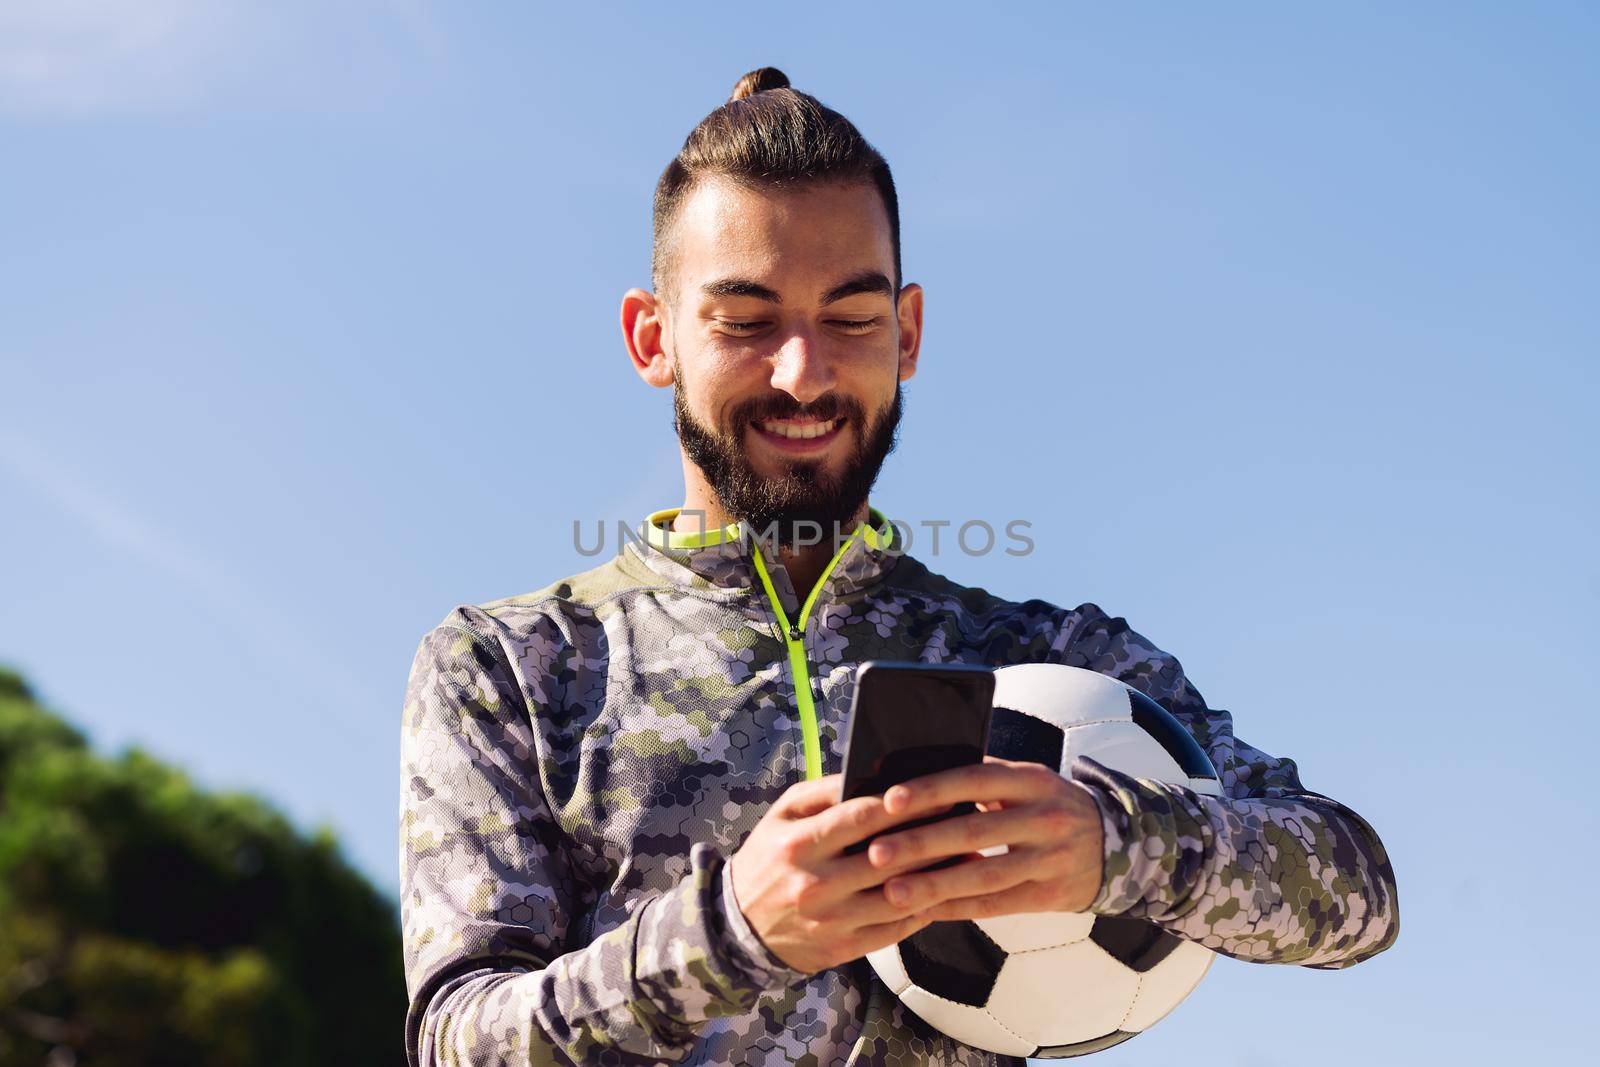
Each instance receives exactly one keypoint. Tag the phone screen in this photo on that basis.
(912, 719)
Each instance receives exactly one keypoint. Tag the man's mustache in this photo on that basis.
(823, 410)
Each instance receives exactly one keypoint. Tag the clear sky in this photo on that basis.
(1278, 327)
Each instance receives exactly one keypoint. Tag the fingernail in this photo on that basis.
(898, 797)
(882, 853)
(897, 893)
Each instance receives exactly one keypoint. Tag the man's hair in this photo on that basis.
(767, 134)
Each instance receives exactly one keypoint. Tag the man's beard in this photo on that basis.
(781, 509)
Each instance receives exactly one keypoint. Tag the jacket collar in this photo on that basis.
(726, 558)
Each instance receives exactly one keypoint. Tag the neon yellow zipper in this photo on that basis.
(877, 532)
(794, 637)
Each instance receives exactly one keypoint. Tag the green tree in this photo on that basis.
(145, 922)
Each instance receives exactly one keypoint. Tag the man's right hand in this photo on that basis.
(812, 906)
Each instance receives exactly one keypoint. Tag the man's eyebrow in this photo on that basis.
(740, 287)
(867, 281)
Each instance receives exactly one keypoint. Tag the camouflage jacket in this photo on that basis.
(578, 762)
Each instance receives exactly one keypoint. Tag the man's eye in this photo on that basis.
(858, 325)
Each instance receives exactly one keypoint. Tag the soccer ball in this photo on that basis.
(1058, 984)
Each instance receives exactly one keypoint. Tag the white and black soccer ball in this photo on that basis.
(1059, 984)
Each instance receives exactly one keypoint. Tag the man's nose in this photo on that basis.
(802, 367)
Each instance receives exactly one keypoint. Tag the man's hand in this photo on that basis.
(813, 907)
(1051, 827)
(816, 908)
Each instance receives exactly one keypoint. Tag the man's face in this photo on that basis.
(785, 347)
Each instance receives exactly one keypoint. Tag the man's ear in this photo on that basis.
(908, 312)
(647, 335)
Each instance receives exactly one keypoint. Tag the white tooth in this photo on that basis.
(797, 432)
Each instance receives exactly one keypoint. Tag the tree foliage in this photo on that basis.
(146, 922)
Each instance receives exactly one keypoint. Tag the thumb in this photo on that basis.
(809, 797)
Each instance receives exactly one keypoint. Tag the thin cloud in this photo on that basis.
(74, 59)
(221, 592)
(83, 57)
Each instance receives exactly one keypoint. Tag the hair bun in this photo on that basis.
(759, 80)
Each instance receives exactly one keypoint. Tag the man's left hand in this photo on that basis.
(1050, 826)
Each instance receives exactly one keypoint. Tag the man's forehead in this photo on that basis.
(811, 242)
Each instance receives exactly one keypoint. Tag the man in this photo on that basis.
(621, 836)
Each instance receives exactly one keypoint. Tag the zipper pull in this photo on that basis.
(794, 634)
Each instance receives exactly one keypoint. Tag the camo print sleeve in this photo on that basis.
(488, 898)
(1269, 873)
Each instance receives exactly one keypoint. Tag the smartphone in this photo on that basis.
(908, 719)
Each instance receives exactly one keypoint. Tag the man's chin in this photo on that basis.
(773, 469)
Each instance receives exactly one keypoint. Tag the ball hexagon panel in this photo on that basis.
(1124, 746)
(1162, 988)
(1028, 933)
(1031, 1001)
(1037, 689)
(975, 1026)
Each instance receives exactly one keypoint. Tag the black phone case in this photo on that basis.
(964, 672)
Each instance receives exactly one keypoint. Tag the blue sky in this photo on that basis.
(1278, 327)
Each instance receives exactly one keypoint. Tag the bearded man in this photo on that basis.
(622, 839)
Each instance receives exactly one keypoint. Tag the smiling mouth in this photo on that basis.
(799, 429)
(799, 438)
